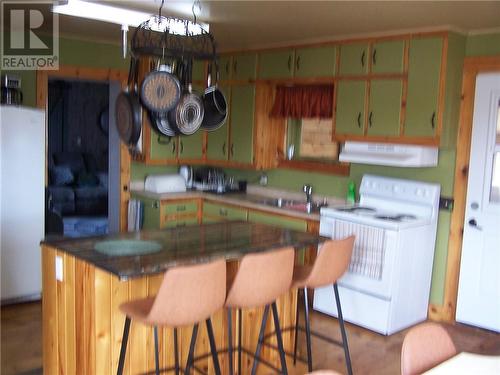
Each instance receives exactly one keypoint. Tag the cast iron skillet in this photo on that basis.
(128, 110)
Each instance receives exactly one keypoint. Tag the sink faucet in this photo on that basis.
(308, 190)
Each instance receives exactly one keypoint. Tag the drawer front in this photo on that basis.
(224, 212)
(182, 222)
(178, 208)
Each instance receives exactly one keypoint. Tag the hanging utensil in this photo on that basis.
(188, 115)
(214, 103)
(128, 109)
(160, 90)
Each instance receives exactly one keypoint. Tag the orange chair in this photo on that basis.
(187, 295)
(424, 347)
(259, 281)
(332, 261)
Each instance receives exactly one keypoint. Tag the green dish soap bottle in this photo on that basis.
(351, 193)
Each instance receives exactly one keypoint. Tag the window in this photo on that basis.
(310, 139)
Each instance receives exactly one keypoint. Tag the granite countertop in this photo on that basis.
(253, 199)
(184, 245)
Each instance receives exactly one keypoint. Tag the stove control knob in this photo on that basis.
(396, 189)
(419, 192)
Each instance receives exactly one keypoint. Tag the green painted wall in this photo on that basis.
(483, 45)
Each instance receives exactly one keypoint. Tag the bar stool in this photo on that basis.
(259, 281)
(187, 295)
(332, 261)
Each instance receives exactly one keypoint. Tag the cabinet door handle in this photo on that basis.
(370, 117)
(181, 208)
(223, 212)
(232, 149)
(289, 62)
(297, 63)
(182, 147)
(227, 67)
(359, 119)
(374, 57)
(224, 148)
(433, 120)
(235, 66)
(173, 147)
(363, 55)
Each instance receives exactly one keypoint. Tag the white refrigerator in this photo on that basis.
(22, 184)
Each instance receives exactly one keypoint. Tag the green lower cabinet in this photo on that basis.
(424, 71)
(217, 142)
(162, 148)
(280, 221)
(224, 212)
(210, 220)
(350, 115)
(191, 146)
(276, 64)
(151, 213)
(354, 59)
(388, 57)
(315, 61)
(181, 222)
(242, 121)
(385, 107)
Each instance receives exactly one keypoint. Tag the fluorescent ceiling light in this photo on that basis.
(124, 17)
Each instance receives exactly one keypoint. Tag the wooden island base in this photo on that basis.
(82, 325)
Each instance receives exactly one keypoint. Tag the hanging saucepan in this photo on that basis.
(187, 116)
(160, 123)
(128, 110)
(160, 90)
(214, 103)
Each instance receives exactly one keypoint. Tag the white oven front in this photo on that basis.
(373, 257)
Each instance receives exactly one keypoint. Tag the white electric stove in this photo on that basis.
(387, 285)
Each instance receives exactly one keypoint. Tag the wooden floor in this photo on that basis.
(371, 353)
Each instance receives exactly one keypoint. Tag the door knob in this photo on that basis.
(473, 223)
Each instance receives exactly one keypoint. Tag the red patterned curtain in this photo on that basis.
(303, 101)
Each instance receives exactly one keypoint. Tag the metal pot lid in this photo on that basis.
(189, 114)
(160, 91)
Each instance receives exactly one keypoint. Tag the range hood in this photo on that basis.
(395, 155)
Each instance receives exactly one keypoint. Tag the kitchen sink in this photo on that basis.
(289, 204)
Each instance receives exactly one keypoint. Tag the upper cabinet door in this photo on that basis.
(244, 67)
(315, 62)
(225, 67)
(354, 59)
(276, 64)
(242, 121)
(384, 114)
(423, 87)
(387, 57)
(191, 146)
(350, 115)
(217, 142)
(198, 70)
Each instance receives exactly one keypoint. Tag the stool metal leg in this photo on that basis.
(279, 339)
(213, 347)
(308, 331)
(260, 340)
(230, 341)
(189, 362)
(342, 330)
(123, 350)
(157, 359)
(296, 330)
(240, 322)
(176, 353)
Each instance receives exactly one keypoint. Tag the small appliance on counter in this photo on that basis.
(186, 171)
(11, 90)
(165, 183)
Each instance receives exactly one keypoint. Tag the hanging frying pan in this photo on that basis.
(214, 103)
(128, 110)
(187, 116)
(160, 123)
(160, 90)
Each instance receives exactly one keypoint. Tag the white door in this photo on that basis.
(479, 286)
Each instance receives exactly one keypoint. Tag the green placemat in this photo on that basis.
(127, 247)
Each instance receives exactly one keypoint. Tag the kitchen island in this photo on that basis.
(85, 280)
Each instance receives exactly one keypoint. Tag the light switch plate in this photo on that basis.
(59, 268)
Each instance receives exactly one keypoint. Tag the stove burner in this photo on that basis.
(356, 209)
(396, 217)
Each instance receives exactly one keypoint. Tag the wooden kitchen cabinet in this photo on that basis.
(152, 213)
(278, 220)
(354, 59)
(162, 150)
(190, 147)
(350, 113)
(423, 87)
(276, 64)
(217, 212)
(238, 67)
(315, 61)
(171, 213)
(384, 116)
(387, 56)
(242, 122)
(217, 141)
